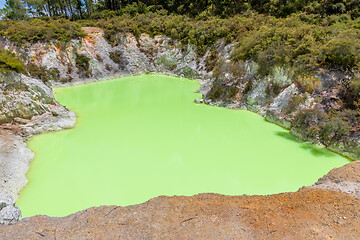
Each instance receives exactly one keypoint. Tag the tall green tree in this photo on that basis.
(14, 10)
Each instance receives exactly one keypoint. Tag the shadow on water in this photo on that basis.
(317, 151)
(313, 149)
(288, 136)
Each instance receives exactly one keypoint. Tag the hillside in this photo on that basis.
(294, 62)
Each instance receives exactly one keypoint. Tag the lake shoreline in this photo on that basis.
(91, 101)
(64, 119)
(314, 212)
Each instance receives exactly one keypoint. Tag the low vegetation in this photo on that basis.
(10, 62)
(305, 41)
(45, 29)
(328, 128)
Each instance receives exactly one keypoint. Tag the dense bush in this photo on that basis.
(82, 62)
(328, 128)
(343, 50)
(33, 30)
(334, 130)
(115, 56)
(303, 40)
(10, 62)
(38, 72)
(354, 93)
(306, 46)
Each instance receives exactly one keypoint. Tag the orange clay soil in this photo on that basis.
(310, 213)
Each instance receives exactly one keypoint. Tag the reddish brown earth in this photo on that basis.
(310, 213)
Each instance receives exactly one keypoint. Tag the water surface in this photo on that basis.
(140, 137)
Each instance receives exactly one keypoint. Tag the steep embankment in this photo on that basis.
(28, 107)
(310, 213)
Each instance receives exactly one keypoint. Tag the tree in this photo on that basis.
(15, 10)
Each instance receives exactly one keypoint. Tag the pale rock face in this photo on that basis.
(160, 55)
(28, 107)
(9, 213)
(257, 98)
(23, 97)
(15, 160)
(275, 113)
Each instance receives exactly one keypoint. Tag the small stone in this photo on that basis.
(198, 101)
(10, 214)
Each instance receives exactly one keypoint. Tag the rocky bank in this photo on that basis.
(28, 107)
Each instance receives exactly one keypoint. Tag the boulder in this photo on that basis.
(9, 213)
(198, 101)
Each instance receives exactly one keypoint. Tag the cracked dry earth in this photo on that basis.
(317, 212)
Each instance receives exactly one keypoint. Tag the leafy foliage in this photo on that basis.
(300, 38)
(10, 62)
(34, 30)
(82, 62)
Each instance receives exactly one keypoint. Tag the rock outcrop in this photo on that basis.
(15, 160)
(345, 179)
(310, 213)
(93, 58)
(27, 107)
(9, 213)
(23, 97)
(283, 95)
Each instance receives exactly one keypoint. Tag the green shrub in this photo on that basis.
(215, 92)
(294, 102)
(334, 130)
(329, 128)
(212, 58)
(10, 62)
(231, 92)
(38, 72)
(342, 51)
(273, 89)
(248, 87)
(115, 56)
(310, 122)
(303, 40)
(189, 73)
(354, 92)
(168, 61)
(82, 62)
(34, 30)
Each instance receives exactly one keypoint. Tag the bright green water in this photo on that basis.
(140, 137)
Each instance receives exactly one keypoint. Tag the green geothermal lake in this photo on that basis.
(141, 137)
